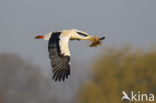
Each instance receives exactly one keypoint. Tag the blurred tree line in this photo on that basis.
(113, 71)
(118, 70)
(22, 82)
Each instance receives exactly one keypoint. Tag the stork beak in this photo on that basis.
(39, 37)
(102, 38)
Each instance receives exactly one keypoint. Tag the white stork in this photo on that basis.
(58, 48)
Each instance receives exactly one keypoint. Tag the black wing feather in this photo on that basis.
(59, 62)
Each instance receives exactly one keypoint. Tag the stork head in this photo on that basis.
(95, 41)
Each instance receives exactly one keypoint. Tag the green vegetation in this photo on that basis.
(114, 71)
(117, 70)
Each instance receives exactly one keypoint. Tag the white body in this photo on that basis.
(65, 36)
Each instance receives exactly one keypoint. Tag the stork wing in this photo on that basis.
(59, 61)
(81, 32)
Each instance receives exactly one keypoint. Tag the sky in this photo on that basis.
(121, 21)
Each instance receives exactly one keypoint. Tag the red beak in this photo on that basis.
(39, 37)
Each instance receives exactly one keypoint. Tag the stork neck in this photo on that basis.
(83, 38)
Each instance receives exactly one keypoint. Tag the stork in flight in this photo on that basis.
(58, 48)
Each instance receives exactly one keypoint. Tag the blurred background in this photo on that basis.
(125, 60)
